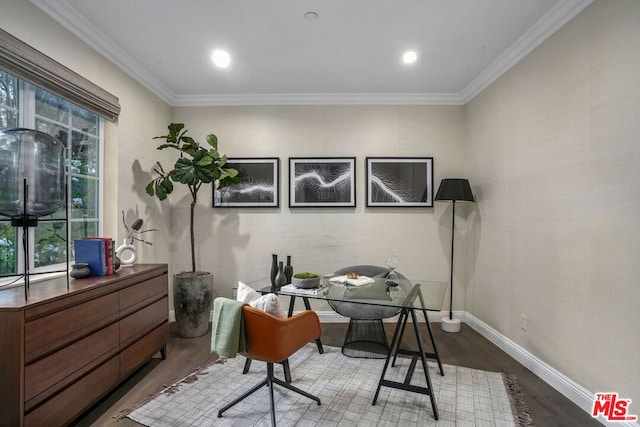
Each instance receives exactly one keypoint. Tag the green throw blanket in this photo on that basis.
(227, 331)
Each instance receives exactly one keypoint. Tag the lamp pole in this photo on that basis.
(453, 233)
(451, 324)
(452, 190)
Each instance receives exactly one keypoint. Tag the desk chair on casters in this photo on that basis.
(273, 340)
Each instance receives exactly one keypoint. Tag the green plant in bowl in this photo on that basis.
(305, 280)
(305, 275)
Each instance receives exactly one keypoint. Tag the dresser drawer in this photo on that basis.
(59, 329)
(142, 350)
(134, 297)
(143, 321)
(63, 367)
(69, 403)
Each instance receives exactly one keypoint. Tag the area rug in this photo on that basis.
(346, 386)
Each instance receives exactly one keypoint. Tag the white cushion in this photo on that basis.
(246, 293)
(269, 302)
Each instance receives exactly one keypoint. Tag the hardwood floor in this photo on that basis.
(548, 408)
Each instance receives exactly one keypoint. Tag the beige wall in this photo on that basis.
(236, 244)
(551, 149)
(555, 160)
(128, 146)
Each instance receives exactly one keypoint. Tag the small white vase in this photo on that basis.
(132, 254)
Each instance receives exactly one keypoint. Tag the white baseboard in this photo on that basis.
(565, 385)
(556, 379)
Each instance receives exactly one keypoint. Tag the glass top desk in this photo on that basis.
(409, 297)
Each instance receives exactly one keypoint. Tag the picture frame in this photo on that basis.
(259, 185)
(399, 181)
(322, 182)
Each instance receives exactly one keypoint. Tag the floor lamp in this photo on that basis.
(453, 190)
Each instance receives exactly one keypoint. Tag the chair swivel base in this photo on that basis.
(270, 381)
(284, 363)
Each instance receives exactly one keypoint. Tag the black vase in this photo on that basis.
(288, 269)
(274, 269)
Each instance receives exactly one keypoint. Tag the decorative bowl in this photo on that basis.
(80, 270)
(306, 282)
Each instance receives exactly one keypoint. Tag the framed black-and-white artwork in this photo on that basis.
(259, 185)
(322, 182)
(399, 181)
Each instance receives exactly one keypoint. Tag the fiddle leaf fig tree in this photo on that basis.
(196, 165)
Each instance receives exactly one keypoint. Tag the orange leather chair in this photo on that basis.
(274, 339)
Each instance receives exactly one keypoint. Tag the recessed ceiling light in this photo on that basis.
(410, 57)
(221, 58)
(310, 16)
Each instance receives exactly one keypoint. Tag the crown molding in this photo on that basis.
(553, 20)
(75, 22)
(318, 99)
(71, 19)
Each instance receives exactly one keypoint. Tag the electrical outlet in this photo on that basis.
(523, 322)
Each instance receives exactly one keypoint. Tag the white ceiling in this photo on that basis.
(351, 54)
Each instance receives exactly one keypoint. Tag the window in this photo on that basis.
(24, 105)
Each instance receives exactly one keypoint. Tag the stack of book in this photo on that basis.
(98, 252)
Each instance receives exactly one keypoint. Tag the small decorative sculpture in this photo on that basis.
(133, 233)
(134, 230)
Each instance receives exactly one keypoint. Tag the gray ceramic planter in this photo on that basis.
(192, 301)
(309, 283)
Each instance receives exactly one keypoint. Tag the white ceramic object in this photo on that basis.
(130, 250)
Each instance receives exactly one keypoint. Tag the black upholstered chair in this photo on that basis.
(365, 336)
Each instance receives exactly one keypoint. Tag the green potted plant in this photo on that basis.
(306, 280)
(196, 165)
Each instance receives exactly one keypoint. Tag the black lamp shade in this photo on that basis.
(454, 190)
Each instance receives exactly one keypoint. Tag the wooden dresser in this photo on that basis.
(61, 351)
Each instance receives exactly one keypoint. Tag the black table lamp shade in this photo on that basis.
(453, 190)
